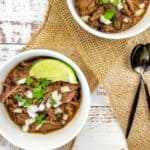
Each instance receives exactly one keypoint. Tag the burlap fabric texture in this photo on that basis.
(103, 61)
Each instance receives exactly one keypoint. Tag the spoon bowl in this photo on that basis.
(140, 58)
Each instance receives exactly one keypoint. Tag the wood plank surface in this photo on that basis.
(19, 19)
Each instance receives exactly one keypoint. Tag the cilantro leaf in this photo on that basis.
(24, 102)
(40, 119)
(59, 115)
(29, 81)
(109, 14)
(53, 102)
(28, 102)
(38, 92)
(104, 1)
(115, 2)
(45, 82)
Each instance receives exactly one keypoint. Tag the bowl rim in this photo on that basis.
(80, 76)
(114, 36)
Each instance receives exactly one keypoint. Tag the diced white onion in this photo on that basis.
(20, 103)
(58, 104)
(28, 94)
(41, 107)
(111, 1)
(104, 20)
(126, 20)
(63, 122)
(56, 96)
(29, 121)
(65, 89)
(48, 105)
(139, 12)
(65, 117)
(120, 6)
(142, 5)
(21, 81)
(31, 110)
(31, 113)
(17, 110)
(25, 128)
(58, 110)
(38, 127)
(85, 18)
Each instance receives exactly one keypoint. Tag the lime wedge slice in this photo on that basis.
(54, 70)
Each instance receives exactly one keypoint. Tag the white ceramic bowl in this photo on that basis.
(138, 28)
(10, 131)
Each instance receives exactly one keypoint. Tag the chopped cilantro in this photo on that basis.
(36, 84)
(104, 1)
(45, 82)
(24, 102)
(115, 2)
(38, 92)
(29, 81)
(28, 102)
(109, 14)
(59, 115)
(53, 102)
(40, 119)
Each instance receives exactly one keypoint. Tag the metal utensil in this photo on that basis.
(140, 63)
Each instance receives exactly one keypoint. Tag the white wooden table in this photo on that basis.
(18, 20)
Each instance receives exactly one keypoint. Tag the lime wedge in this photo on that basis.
(54, 70)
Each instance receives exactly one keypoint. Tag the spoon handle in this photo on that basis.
(133, 109)
(147, 95)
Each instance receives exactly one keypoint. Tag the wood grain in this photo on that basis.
(19, 19)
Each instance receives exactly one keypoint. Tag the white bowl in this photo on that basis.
(138, 28)
(53, 140)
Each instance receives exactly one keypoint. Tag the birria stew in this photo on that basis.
(111, 16)
(39, 104)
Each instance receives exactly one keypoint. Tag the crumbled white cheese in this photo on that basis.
(126, 19)
(28, 94)
(65, 89)
(41, 107)
(21, 81)
(48, 105)
(17, 110)
(139, 12)
(104, 20)
(65, 117)
(85, 18)
(31, 110)
(142, 5)
(56, 96)
(120, 6)
(58, 110)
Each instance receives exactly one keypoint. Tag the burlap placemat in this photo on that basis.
(105, 61)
